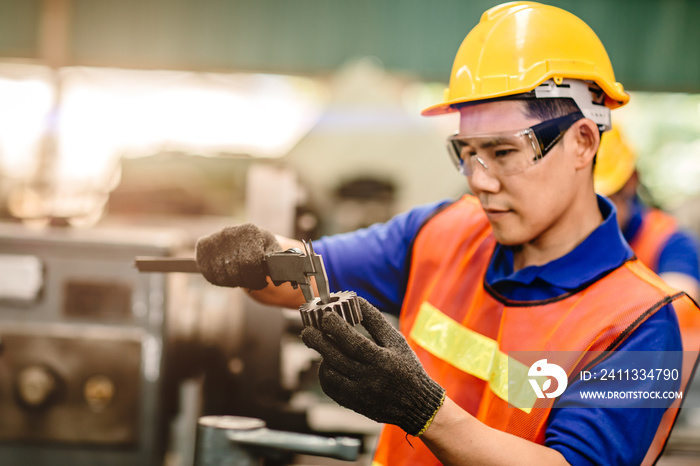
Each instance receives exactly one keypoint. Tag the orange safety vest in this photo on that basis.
(463, 334)
(655, 230)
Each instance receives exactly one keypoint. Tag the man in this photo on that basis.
(654, 235)
(533, 262)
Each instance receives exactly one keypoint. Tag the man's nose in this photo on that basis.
(481, 179)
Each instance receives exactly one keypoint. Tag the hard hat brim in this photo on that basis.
(614, 97)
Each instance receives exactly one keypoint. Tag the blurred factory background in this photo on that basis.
(133, 127)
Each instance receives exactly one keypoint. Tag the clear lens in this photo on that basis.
(508, 152)
(505, 153)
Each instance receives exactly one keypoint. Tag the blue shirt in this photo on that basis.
(680, 253)
(374, 263)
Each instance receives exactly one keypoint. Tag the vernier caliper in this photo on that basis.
(297, 267)
(292, 266)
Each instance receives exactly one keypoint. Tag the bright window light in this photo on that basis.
(27, 96)
(109, 112)
(105, 114)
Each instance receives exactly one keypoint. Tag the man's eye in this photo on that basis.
(467, 152)
(504, 152)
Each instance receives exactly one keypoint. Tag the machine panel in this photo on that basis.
(64, 386)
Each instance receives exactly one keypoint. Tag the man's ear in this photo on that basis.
(585, 139)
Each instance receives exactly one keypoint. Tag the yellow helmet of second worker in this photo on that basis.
(517, 46)
(615, 163)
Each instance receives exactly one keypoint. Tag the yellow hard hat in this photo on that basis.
(517, 46)
(615, 163)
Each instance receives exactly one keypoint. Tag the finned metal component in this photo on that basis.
(343, 303)
(297, 268)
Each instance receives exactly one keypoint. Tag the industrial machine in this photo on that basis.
(83, 347)
(102, 364)
(243, 441)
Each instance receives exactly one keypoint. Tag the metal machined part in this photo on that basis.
(343, 303)
(298, 267)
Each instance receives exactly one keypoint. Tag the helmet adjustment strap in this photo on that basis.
(589, 98)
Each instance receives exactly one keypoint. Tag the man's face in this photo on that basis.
(529, 206)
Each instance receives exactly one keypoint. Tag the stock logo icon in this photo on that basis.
(542, 368)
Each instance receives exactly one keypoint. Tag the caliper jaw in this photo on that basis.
(297, 268)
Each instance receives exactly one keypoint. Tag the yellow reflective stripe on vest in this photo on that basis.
(474, 354)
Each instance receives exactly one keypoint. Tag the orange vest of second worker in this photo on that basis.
(655, 230)
(653, 234)
(462, 334)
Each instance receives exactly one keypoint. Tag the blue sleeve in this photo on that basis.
(373, 261)
(620, 434)
(680, 254)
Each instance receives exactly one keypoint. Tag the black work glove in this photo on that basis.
(235, 256)
(380, 379)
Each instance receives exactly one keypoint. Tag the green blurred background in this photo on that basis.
(654, 46)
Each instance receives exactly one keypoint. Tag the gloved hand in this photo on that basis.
(380, 379)
(235, 256)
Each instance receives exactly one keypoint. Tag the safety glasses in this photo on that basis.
(508, 152)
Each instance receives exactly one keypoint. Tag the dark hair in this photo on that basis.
(547, 109)
(542, 109)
